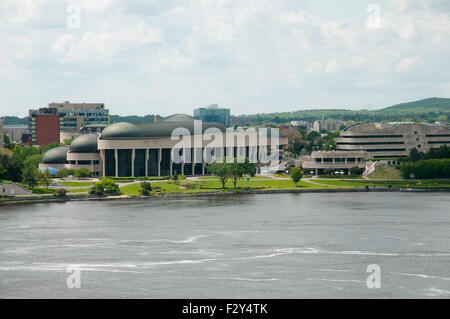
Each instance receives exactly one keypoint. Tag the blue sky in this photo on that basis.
(147, 57)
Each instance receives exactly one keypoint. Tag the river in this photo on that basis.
(249, 246)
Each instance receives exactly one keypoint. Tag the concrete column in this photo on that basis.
(171, 164)
(203, 164)
(116, 157)
(146, 161)
(159, 161)
(192, 160)
(133, 156)
(102, 156)
(182, 161)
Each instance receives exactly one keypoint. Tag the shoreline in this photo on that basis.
(52, 199)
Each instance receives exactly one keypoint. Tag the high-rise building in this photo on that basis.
(77, 115)
(213, 113)
(44, 125)
(55, 122)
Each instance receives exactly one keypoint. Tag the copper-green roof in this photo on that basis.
(57, 155)
(86, 143)
(178, 118)
(124, 130)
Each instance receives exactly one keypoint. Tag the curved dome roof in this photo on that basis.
(124, 130)
(178, 118)
(86, 143)
(57, 155)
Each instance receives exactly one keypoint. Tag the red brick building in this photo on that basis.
(44, 126)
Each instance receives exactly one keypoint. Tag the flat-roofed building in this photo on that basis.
(321, 161)
(149, 149)
(392, 140)
(16, 132)
(46, 124)
(213, 113)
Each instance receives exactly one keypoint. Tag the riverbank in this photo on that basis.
(23, 200)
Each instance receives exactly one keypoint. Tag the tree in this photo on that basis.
(105, 186)
(82, 173)
(415, 155)
(30, 176)
(11, 166)
(221, 169)
(145, 188)
(238, 170)
(7, 141)
(296, 175)
(45, 178)
(62, 173)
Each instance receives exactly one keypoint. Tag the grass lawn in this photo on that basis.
(251, 178)
(393, 183)
(78, 190)
(209, 185)
(386, 172)
(76, 184)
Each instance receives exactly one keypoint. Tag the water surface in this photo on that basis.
(252, 246)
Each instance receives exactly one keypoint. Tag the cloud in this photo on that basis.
(409, 65)
(255, 56)
(106, 44)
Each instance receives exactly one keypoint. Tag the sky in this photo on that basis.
(163, 57)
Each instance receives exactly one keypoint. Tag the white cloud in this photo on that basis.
(251, 55)
(105, 44)
(409, 65)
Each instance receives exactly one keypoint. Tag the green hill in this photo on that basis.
(433, 104)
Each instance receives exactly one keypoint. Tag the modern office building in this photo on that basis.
(60, 121)
(213, 113)
(146, 149)
(322, 161)
(329, 125)
(392, 140)
(76, 115)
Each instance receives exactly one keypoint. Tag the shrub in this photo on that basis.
(145, 188)
(60, 192)
(105, 186)
(178, 177)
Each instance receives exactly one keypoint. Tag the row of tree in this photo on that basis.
(232, 169)
(433, 153)
(427, 169)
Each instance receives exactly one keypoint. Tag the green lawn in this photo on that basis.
(209, 185)
(76, 184)
(386, 172)
(251, 178)
(78, 190)
(379, 183)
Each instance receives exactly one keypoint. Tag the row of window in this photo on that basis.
(368, 143)
(372, 136)
(84, 162)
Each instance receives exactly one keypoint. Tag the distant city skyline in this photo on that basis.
(139, 57)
